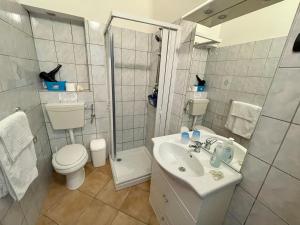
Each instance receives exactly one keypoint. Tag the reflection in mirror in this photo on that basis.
(237, 60)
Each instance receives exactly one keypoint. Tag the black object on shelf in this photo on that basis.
(200, 82)
(51, 75)
(296, 47)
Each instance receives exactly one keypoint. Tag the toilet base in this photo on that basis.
(75, 179)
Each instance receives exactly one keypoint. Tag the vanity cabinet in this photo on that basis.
(176, 203)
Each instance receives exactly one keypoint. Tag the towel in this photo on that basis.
(242, 118)
(17, 175)
(15, 134)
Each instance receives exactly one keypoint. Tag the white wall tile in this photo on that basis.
(62, 30)
(297, 117)
(41, 27)
(241, 204)
(283, 92)
(262, 48)
(128, 58)
(263, 216)
(82, 73)
(277, 47)
(68, 72)
(96, 31)
(127, 76)
(289, 154)
(142, 41)
(128, 39)
(254, 172)
(78, 32)
(80, 54)
(65, 52)
(97, 54)
(263, 145)
(45, 50)
(99, 75)
(280, 193)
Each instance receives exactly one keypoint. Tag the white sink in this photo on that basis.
(177, 159)
(191, 167)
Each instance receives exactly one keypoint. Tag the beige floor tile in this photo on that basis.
(106, 169)
(57, 190)
(144, 186)
(123, 219)
(112, 197)
(68, 210)
(97, 213)
(153, 220)
(88, 168)
(94, 182)
(137, 205)
(43, 220)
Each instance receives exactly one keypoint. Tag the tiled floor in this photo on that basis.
(96, 202)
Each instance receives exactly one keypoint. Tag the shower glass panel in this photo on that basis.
(138, 64)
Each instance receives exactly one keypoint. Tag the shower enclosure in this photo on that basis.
(138, 64)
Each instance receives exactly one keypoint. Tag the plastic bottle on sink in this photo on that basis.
(228, 150)
(217, 156)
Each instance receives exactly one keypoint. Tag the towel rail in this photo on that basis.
(34, 137)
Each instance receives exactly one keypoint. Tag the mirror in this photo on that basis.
(238, 64)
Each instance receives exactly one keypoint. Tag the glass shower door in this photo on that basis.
(111, 90)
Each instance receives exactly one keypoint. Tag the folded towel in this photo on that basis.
(18, 169)
(242, 118)
(15, 134)
(245, 110)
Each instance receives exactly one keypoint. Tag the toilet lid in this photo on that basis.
(70, 154)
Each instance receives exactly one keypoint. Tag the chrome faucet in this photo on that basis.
(196, 147)
(209, 142)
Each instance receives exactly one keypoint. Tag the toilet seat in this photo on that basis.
(199, 127)
(69, 158)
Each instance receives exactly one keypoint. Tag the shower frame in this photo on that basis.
(168, 65)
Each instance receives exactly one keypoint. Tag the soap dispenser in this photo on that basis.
(217, 156)
(228, 150)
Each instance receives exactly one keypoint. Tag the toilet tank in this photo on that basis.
(198, 106)
(66, 116)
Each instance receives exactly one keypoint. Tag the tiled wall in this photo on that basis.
(191, 61)
(19, 88)
(240, 72)
(132, 56)
(83, 64)
(61, 41)
(270, 190)
(151, 111)
(88, 70)
(89, 67)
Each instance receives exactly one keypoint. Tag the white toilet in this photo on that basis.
(70, 159)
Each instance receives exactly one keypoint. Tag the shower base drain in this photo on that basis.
(181, 169)
(119, 159)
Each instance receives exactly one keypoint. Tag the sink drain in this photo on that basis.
(181, 169)
(119, 159)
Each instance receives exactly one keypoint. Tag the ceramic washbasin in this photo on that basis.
(178, 159)
(191, 167)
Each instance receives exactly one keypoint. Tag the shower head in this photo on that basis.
(157, 38)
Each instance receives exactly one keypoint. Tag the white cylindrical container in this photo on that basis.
(98, 152)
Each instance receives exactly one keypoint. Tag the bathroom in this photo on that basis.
(120, 130)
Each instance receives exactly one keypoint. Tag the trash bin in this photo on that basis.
(98, 152)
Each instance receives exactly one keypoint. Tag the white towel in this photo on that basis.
(17, 175)
(15, 134)
(242, 118)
